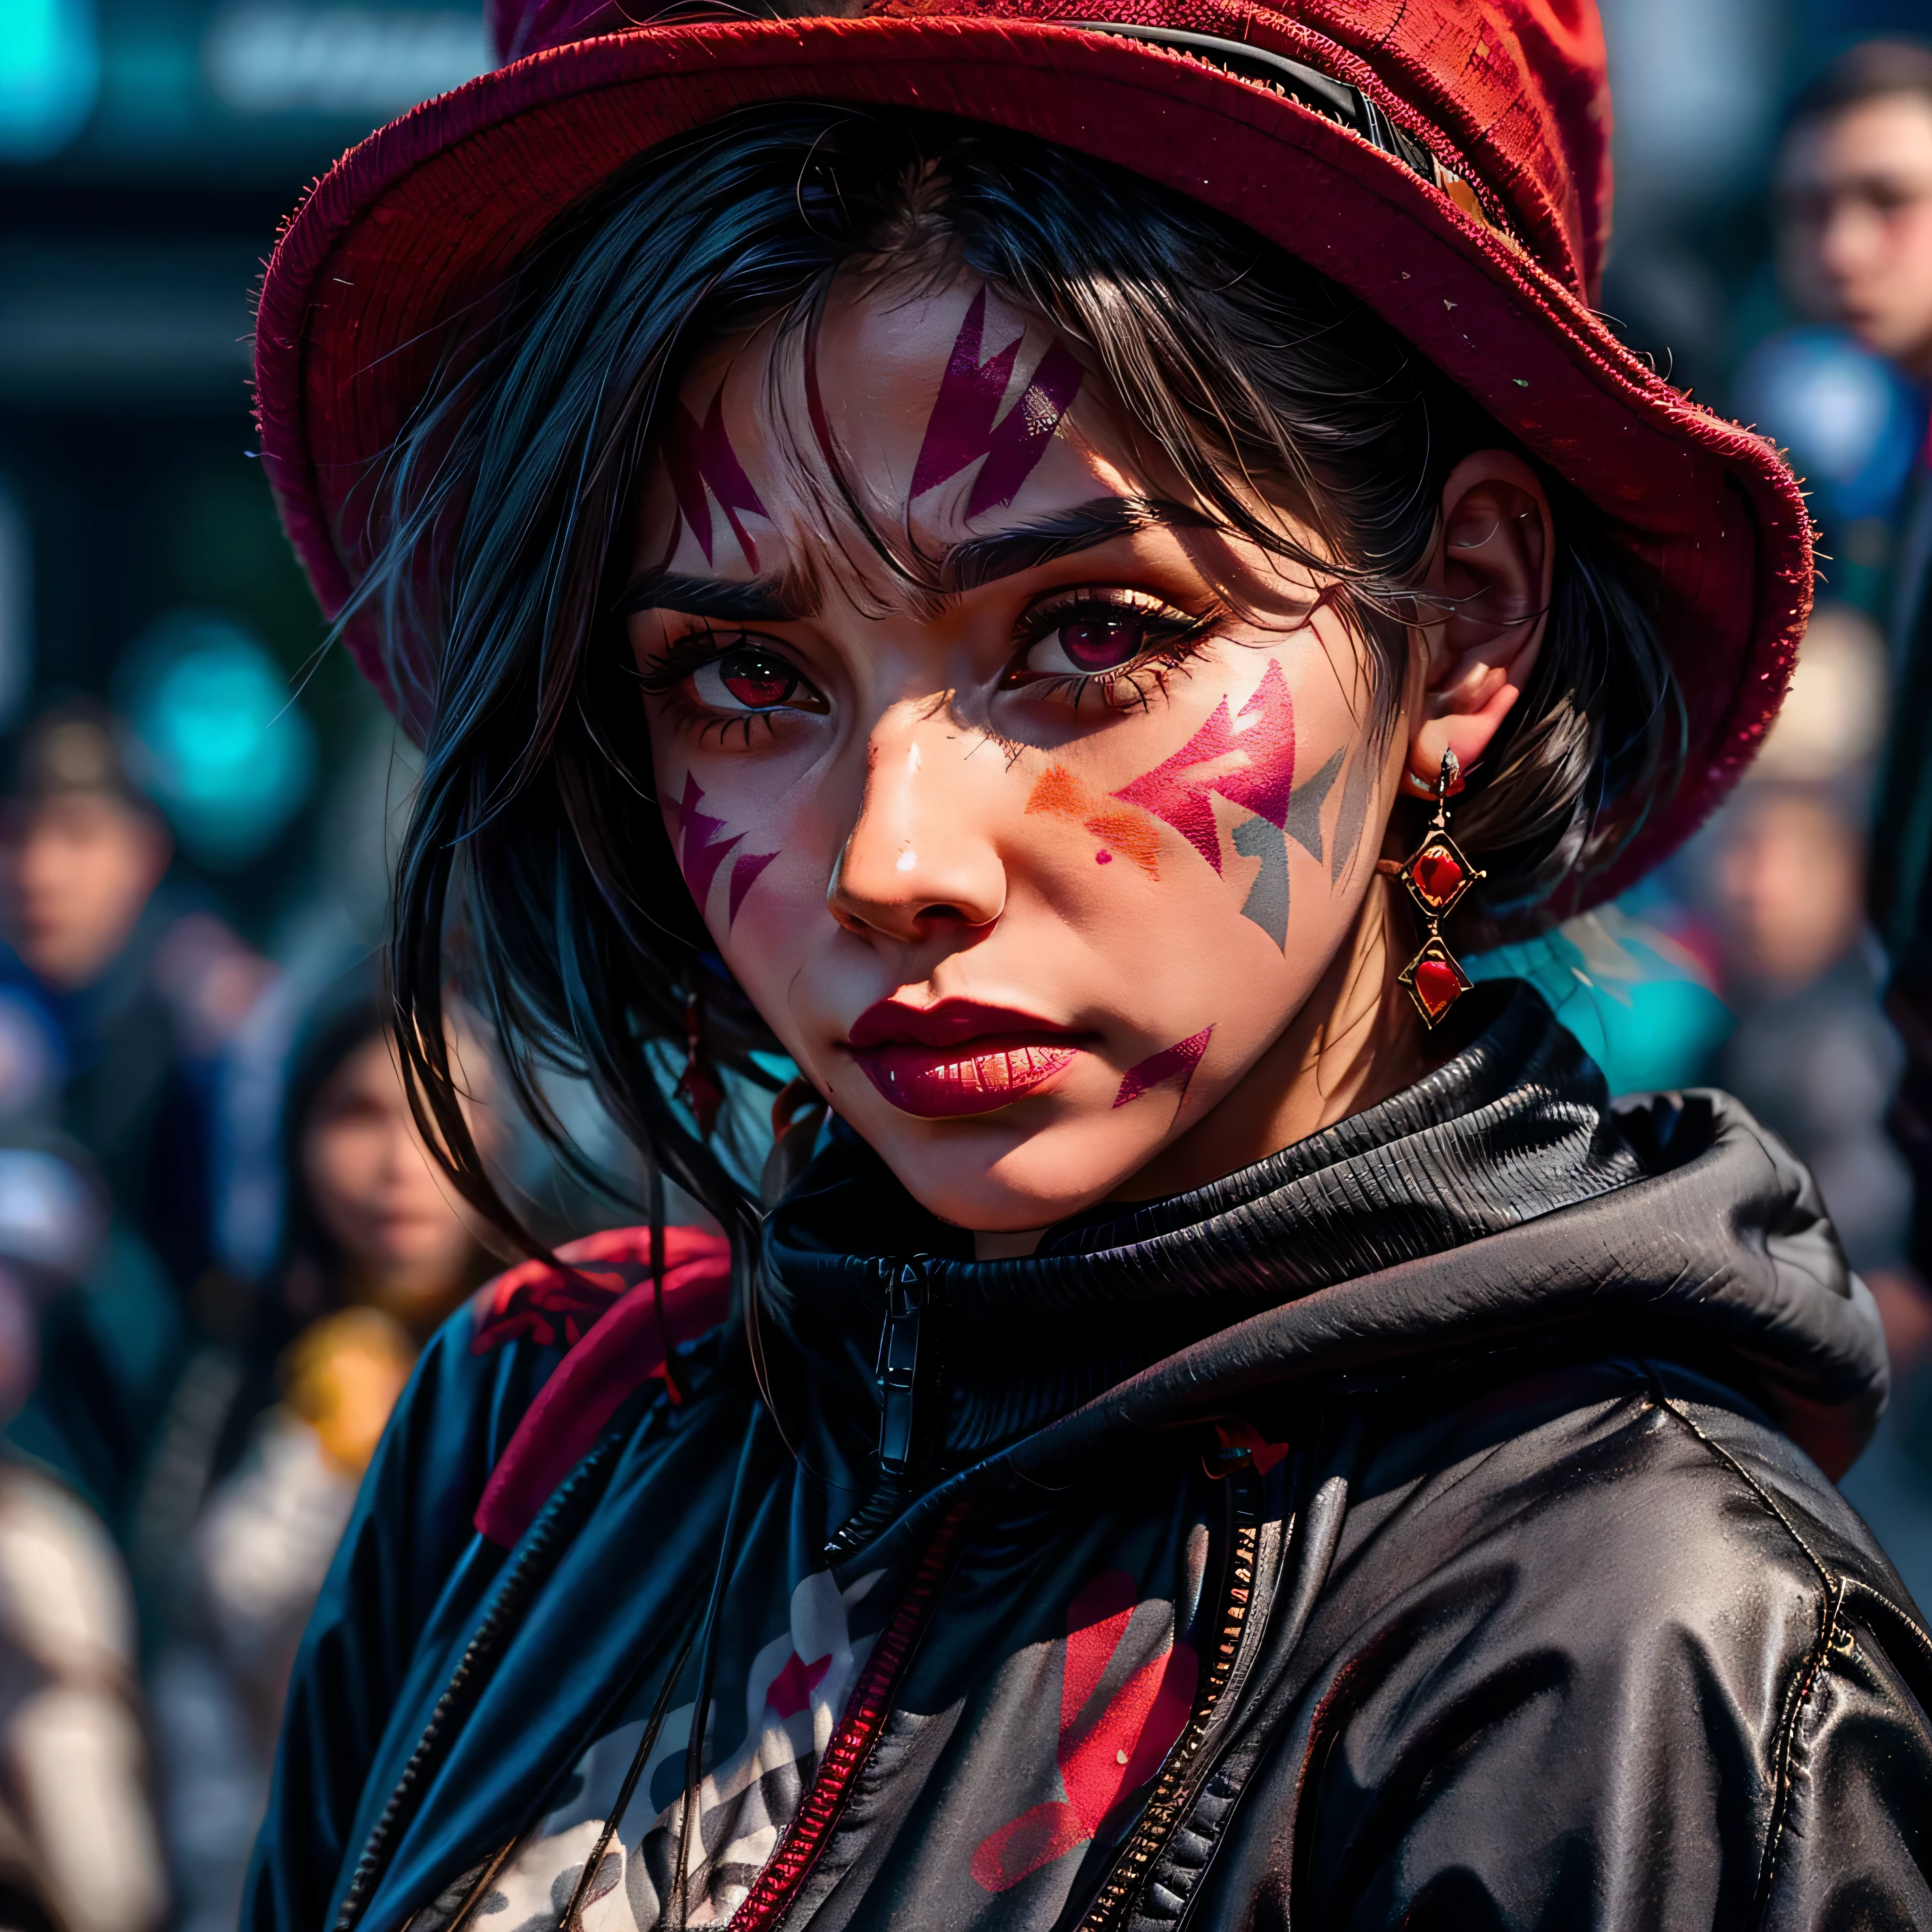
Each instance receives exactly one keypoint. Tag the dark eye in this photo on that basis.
(1102, 643)
(1091, 635)
(753, 679)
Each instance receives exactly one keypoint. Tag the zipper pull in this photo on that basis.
(908, 1365)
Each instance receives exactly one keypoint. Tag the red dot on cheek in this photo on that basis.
(1103, 858)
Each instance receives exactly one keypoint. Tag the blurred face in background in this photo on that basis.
(1789, 880)
(76, 870)
(378, 1194)
(1855, 208)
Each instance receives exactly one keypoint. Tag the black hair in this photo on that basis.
(499, 523)
(1866, 72)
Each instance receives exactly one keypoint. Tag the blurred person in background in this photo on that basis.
(79, 1850)
(1855, 183)
(1854, 201)
(375, 1255)
(1812, 1056)
(144, 985)
(138, 989)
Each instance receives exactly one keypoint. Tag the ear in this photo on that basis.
(1489, 577)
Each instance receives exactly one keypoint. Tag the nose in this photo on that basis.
(1849, 238)
(920, 859)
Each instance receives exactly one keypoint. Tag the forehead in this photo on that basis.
(940, 411)
(1888, 134)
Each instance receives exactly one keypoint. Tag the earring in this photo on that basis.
(698, 1088)
(1437, 875)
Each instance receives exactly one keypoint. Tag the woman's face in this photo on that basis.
(1027, 870)
(373, 1187)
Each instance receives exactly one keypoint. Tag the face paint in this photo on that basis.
(961, 429)
(1172, 1063)
(702, 460)
(1355, 793)
(1128, 833)
(1303, 823)
(744, 870)
(1266, 902)
(700, 851)
(1264, 784)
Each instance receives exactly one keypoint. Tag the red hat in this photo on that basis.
(1445, 161)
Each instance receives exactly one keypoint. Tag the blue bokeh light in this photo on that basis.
(215, 738)
(50, 75)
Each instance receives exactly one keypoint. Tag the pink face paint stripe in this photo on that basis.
(744, 870)
(1178, 789)
(702, 459)
(699, 850)
(1172, 1063)
(1020, 439)
(961, 429)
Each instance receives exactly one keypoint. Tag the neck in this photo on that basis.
(418, 1298)
(1355, 1041)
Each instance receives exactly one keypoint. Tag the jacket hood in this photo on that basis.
(1500, 1211)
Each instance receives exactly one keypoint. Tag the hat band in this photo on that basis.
(1334, 100)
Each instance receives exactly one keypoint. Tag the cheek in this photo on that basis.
(1257, 814)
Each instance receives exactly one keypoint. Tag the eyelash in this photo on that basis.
(667, 673)
(1126, 687)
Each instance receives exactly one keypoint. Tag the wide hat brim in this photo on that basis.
(413, 233)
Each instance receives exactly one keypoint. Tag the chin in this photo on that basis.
(1001, 1175)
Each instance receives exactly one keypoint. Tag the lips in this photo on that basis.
(958, 1057)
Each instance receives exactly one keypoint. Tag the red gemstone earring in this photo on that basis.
(1437, 875)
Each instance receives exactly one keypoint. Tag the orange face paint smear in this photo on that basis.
(1132, 834)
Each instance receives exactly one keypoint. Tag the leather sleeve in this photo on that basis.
(1635, 1668)
(1852, 1845)
(410, 1564)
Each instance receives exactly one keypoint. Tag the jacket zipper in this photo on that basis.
(1181, 1776)
(775, 1889)
(376, 1851)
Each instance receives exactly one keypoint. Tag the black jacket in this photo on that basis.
(1423, 1527)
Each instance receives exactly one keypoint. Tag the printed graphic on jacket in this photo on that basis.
(1113, 1735)
(1019, 1749)
(795, 1689)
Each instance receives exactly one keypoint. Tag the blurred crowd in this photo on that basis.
(223, 1242)
(183, 1445)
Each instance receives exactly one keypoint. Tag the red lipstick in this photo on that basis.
(959, 1057)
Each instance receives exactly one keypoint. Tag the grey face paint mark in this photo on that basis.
(1303, 822)
(1354, 814)
(1267, 902)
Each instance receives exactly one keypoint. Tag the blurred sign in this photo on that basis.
(236, 90)
(339, 60)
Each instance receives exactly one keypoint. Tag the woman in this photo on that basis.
(375, 1253)
(1082, 544)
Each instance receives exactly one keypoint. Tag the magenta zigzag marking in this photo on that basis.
(961, 429)
(1263, 785)
(700, 851)
(701, 458)
(1172, 1063)
(744, 870)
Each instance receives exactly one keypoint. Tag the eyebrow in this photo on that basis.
(760, 601)
(982, 560)
(967, 565)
